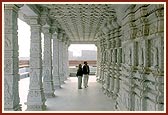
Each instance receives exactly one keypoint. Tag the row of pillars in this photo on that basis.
(45, 74)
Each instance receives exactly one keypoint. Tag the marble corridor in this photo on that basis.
(71, 99)
(130, 55)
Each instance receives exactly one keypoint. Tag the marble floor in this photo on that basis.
(70, 98)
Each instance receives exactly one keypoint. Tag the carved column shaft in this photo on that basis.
(67, 60)
(64, 60)
(11, 67)
(60, 62)
(56, 77)
(102, 57)
(107, 76)
(98, 61)
(36, 99)
(47, 64)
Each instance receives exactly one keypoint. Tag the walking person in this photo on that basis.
(79, 75)
(86, 72)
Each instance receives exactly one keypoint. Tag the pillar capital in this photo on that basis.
(46, 28)
(44, 18)
(34, 21)
(65, 38)
(54, 34)
(60, 35)
(55, 26)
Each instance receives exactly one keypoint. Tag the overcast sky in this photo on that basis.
(24, 42)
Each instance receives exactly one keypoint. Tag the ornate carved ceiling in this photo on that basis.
(81, 22)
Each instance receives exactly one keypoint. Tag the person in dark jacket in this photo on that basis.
(79, 75)
(86, 72)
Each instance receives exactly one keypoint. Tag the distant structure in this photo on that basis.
(24, 62)
(70, 55)
(89, 55)
(86, 55)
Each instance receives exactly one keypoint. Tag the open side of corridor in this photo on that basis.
(69, 98)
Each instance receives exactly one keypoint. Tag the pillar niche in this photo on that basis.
(47, 63)
(56, 77)
(11, 67)
(36, 99)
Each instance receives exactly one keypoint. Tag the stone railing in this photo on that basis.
(24, 71)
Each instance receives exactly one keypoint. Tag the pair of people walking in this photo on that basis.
(83, 72)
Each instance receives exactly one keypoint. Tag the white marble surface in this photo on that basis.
(69, 98)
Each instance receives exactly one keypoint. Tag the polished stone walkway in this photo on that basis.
(69, 98)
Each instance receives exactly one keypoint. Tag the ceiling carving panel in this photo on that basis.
(81, 22)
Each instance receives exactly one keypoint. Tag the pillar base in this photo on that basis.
(62, 82)
(57, 86)
(49, 95)
(16, 108)
(36, 107)
(56, 81)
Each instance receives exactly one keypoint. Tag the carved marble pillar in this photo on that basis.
(11, 67)
(36, 99)
(118, 72)
(56, 77)
(98, 61)
(64, 60)
(68, 44)
(111, 66)
(101, 61)
(60, 62)
(108, 56)
(47, 63)
(67, 60)
(103, 66)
